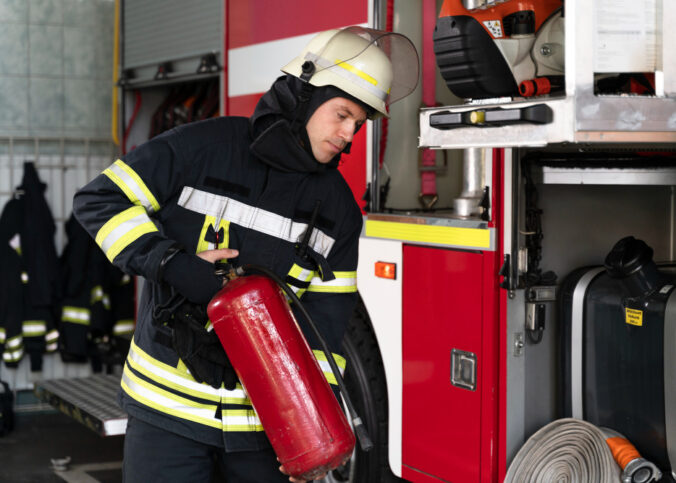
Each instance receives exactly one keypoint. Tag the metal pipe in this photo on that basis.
(375, 131)
(672, 227)
(470, 4)
(474, 169)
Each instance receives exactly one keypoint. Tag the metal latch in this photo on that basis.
(463, 369)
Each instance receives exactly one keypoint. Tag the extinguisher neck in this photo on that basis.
(227, 271)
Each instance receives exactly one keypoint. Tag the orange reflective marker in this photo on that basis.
(386, 270)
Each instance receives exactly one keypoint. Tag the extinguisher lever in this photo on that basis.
(359, 429)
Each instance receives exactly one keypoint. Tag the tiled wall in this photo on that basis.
(56, 59)
(56, 67)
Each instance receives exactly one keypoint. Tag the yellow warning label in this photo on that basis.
(634, 317)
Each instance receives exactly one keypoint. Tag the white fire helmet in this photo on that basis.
(374, 66)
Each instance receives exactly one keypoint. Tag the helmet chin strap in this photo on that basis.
(303, 97)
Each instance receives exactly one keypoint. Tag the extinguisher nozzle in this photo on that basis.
(362, 435)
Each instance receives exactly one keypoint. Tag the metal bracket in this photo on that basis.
(518, 344)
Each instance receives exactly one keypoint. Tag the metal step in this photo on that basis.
(90, 400)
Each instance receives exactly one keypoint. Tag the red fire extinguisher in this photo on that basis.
(297, 408)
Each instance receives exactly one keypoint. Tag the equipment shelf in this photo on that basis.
(580, 116)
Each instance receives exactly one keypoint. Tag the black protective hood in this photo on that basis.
(277, 140)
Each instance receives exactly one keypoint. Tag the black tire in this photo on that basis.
(365, 380)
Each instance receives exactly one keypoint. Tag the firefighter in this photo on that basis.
(246, 190)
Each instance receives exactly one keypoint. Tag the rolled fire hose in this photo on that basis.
(635, 469)
(568, 450)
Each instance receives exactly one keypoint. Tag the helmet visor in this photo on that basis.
(396, 71)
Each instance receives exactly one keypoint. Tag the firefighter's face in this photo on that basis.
(332, 126)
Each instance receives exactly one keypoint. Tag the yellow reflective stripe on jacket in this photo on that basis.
(24, 277)
(76, 315)
(345, 282)
(184, 408)
(33, 328)
(98, 295)
(13, 349)
(3, 335)
(326, 368)
(132, 185)
(203, 245)
(167, 402)
(124, 326)
(181, 381)
(52, 338)
(301, 274)
(123, 229)
(14, 342)
(13, 355)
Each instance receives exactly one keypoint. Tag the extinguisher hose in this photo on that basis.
(359, 428)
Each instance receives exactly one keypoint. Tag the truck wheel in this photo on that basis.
(365, 380)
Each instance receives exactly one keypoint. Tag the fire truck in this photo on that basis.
(481, 196)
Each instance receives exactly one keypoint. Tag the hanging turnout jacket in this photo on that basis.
(96, 303)
(202, 186)
(27, 227)
(11, 305)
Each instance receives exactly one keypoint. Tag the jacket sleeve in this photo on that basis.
(331, 303)
(11, 308)
(120, 209)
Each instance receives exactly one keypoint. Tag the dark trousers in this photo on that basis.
(152, 454)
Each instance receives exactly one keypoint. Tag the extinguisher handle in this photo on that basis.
(359, 429)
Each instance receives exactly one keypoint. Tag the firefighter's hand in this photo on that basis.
(294, 480)
(212, 256)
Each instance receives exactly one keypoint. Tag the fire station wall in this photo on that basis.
(581, 223)
(56, 69)
(55, 111)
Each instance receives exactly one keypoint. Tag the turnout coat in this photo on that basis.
(201, 185)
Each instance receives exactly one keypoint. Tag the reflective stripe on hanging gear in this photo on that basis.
(75, 315)
(34, 328)
(13, 356)
(122, 327)
(51, 340)
(428, 177)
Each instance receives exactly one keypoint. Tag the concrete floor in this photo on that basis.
(26, 452)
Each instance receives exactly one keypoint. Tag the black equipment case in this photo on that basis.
(618, 353)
